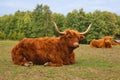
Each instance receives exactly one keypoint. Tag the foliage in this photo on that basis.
(2, 35)
(38, 23)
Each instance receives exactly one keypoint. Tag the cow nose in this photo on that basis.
(76, 44)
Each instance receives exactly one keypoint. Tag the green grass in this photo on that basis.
(91, 64)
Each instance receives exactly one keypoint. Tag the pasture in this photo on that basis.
(91, 64)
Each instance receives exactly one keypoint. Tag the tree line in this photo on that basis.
(37, 23)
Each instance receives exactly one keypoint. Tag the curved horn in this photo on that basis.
(87, 29)
(56, 28)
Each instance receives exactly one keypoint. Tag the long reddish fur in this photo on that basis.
(53, 51)
(105, 42)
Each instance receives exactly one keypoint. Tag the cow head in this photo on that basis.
(108, 39)
(71, 37)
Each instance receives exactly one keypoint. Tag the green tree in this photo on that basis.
(47, 28)
(27, 24)
(10, 35)
(20, 36)
(59, 19)
(41, 21)
(37, 23)
(2, 35)
(72, 19)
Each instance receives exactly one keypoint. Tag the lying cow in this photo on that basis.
(105, 42)
(48, 51)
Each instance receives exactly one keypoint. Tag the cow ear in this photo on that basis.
(82, 37)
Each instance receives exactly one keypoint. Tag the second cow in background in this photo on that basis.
(105, 42)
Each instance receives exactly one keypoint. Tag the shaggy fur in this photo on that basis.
(48, 51)
(105, 42)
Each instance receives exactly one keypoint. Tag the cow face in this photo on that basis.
(72, 38)
(108, 39)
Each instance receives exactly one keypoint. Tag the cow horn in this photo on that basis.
(56, 28)
(87, 29)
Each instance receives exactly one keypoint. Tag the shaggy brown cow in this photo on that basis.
(105, 42)
(50, 51)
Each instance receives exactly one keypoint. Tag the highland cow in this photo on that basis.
(48, 51)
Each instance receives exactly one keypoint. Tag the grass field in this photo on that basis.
(91, 64)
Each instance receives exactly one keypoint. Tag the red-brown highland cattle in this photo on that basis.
(105, 42)
(48, 51)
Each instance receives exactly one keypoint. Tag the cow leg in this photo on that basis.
(70, 59)
(28, 64)
(19, 59)
(54, 61)
(52, 64)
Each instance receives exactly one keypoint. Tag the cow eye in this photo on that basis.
(69, 37)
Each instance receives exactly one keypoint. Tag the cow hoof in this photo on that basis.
(31, 63)
(46, 64)
(28, 64)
